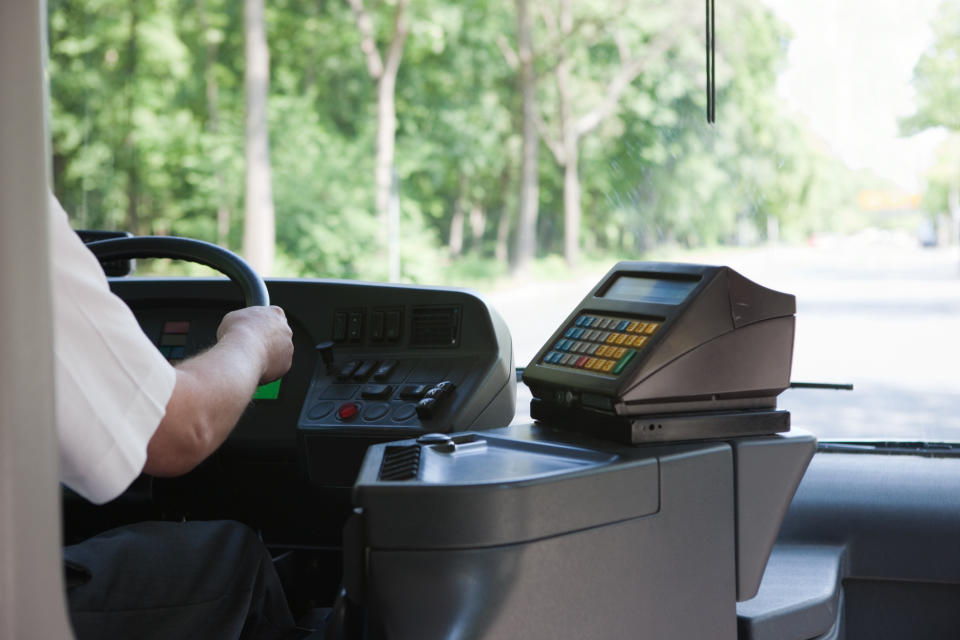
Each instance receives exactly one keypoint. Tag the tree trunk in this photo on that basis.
(383, 69)
(478, 224)
(458, 220)
(456, 229)
(500, 252)
(525, 247)
(130, 140)
(258, 225)
(571, 207)
(386, 143)
(570, 141)
(213, 124)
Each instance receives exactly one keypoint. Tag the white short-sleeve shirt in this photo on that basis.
(112, 384)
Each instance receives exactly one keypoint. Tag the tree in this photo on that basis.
(936, 78)
(576, 112)
(383, 70)
(259, 229)
(149, 115)
(211, 38)
(529, 160)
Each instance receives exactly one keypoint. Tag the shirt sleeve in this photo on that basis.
(112, 384)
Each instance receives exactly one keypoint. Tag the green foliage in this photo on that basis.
(148, 126)
(936, 78)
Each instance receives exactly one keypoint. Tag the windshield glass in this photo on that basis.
(522, 147)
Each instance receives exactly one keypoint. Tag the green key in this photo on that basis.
(624, 361)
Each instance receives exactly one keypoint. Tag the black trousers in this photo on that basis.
(170, 580)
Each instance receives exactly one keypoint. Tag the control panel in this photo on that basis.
(396, 362)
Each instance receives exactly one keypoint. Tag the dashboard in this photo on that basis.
(394, 362)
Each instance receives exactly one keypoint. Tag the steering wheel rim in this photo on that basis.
(251, 285)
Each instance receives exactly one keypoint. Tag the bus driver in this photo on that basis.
(122, 409)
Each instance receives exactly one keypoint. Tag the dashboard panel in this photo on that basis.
(395, 361)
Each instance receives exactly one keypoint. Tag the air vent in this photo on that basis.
(435, 327)
(400, 463)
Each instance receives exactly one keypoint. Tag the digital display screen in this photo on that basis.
(269, 391)
(640, 289)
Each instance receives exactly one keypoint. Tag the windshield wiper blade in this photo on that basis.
(915, 447)
(836, 386)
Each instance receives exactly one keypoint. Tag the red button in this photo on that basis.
(581, 361)
(347, 411)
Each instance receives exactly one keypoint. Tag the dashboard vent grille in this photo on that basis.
(400, 463)
(435, 326)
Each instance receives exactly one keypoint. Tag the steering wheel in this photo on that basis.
(226, 262)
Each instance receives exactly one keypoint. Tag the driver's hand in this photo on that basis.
(264, 330)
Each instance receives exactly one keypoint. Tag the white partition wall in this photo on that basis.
(32, 603)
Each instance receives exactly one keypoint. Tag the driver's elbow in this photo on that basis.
(185, 435)
(176, 449)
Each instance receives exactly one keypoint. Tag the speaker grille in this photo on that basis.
(400, 463)
(435, 326)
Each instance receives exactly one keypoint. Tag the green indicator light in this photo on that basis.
(269, 391)
(624, 361)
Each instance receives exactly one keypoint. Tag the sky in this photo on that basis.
(849, 75)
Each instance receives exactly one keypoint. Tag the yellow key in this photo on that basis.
(621, 337)
(611, 338)
(602, 350)
(591, 363)
(632, 327)
(651, 327)
(640, 341)
(640, 327)
(607, 365)
(618, 352)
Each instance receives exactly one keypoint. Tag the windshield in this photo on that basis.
(522, 147)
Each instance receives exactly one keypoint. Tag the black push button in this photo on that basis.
(320, 410)
(347, 370)
(413, 391)
(364, 369)
(384, 370)
(426, 408)
(404, 412)
(375, 411)
(440, 390)
(376, 391)
(339, 326)
(355, 328)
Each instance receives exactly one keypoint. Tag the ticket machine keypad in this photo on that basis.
(601, 343)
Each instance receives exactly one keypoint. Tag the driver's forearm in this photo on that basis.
(212, 390)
